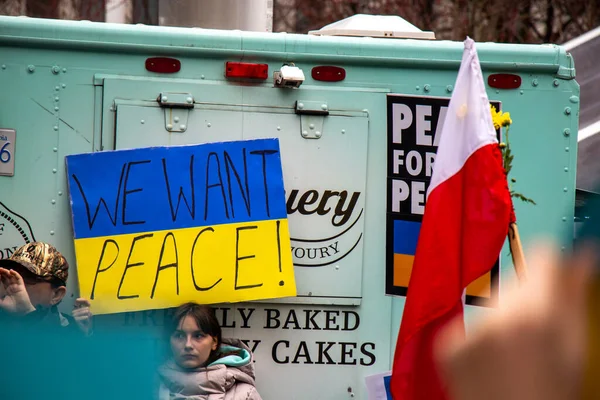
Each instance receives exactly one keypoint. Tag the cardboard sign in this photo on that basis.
(157, 227)
(414, 126)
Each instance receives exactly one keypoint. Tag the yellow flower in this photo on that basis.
(495, 117)
(505, 119)
(500, 119)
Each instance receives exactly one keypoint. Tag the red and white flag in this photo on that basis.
(466, 220)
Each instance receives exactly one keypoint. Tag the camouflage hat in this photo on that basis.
(41, 259)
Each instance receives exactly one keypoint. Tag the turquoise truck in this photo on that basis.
(334, 99)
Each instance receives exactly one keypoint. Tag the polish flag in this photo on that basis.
(467, 215)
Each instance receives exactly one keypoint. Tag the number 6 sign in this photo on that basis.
(4, 153)
(7, 152)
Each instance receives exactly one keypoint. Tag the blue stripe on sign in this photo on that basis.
(164, 188)
(406, 235)
(386, 384)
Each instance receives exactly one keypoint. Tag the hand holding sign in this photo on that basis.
(160, 226)
(83, 315)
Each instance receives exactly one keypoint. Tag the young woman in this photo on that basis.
(201, 364)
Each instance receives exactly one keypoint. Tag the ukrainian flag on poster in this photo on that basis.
(157, 227)
(406, 236)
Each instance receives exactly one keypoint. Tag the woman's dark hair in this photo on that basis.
(205, 319)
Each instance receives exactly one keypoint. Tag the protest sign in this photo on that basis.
(414, 127)
(156, 227)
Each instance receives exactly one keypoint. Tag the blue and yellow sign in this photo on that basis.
(156, 227)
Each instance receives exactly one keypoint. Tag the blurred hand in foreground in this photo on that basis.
(534, 345)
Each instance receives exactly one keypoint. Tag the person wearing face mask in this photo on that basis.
(201, 363)
(32, 285)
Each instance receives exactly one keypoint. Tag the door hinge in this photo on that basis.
(176, 107)
(312, 116)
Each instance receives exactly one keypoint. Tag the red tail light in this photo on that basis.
(163, 65)
(246, 70)
(504, 81)
(328, 73)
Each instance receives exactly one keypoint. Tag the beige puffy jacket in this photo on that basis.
(228, 378)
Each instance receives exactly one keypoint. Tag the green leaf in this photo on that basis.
(507, 159)
(522, 198)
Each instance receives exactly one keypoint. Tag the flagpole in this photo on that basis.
(516, 251)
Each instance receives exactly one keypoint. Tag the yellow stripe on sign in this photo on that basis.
(481, 287)
(222, 263)
(403, 263)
